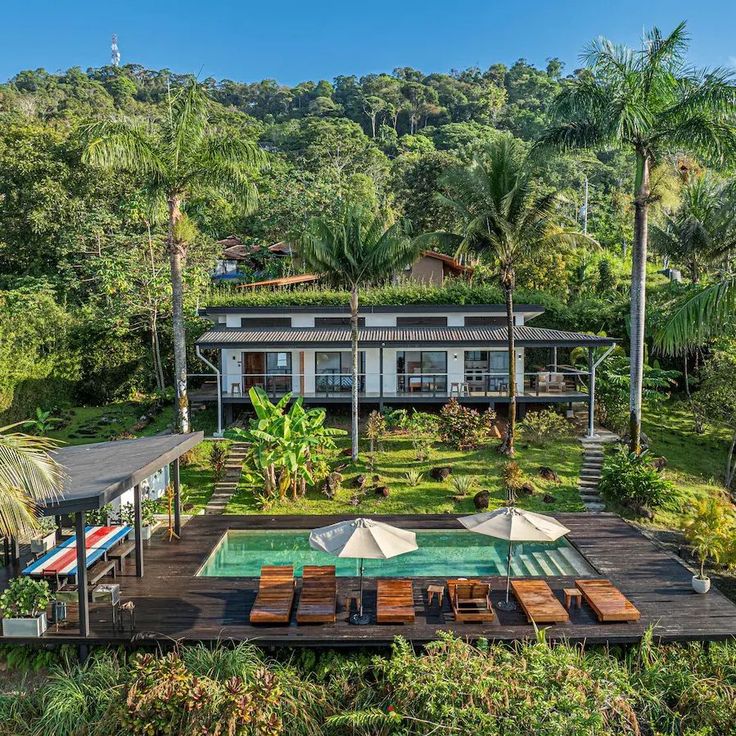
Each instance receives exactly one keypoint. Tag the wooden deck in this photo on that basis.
(173, 604)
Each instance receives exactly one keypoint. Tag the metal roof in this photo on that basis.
(407, 337)
(98, 473)
(378, 309)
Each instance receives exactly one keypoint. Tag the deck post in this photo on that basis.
(138, 526)
(591, 394)
(81, 574)
(380, 378)
(177, 497)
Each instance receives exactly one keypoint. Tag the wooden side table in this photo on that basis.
(435, 590)
(572, 594)
(351, 598)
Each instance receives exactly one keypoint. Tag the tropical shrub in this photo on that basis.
(541, 427)
(24, 598)
(632, 481)
(513, 478)
(414, 477)
(709, 526)
(218, 456)
(289, 447)
(463, 485)
(375, 429)
(149, 509)
(462, 427)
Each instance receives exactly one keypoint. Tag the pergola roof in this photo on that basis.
(406, 337)
(98, 473)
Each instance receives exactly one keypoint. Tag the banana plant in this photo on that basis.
(287, 443)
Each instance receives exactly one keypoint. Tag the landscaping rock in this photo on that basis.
(548, 498)
(659, 463)
(548, 474)
(376, 478)
(354, 501)
(382, 491)
(440, 473)
(526, 489)
(332, 484)
(481, 500)
(359, 481)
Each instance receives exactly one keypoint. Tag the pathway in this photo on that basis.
(590, 473)
(225, 488)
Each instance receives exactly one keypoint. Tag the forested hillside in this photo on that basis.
(84, 274)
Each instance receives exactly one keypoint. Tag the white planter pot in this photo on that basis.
(146, 532)
(701, 585)
(28, 628)
(41, 545)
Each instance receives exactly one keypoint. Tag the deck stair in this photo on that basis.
(226, 487)
(590, 472)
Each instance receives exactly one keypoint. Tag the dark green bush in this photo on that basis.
(632, 481)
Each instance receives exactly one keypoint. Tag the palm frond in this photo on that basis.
(28, 477)
(711, 312)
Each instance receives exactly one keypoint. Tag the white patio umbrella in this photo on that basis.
(362, 539)
(514, 525)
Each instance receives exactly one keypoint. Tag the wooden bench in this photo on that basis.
(275, 595)
(538, 602)
(395, 602)
(99, 570)
(318, 599)
(120, 553)
(607, 601)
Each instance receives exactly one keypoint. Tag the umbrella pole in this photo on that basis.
(360, 618)
(508, 604)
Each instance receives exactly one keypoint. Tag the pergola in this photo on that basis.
(98, 473)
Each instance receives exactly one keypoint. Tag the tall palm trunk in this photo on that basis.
(355, 377)
(507, 282)
(638, 298)
(176, 258)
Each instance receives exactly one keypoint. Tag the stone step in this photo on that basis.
(588, 483)
(593, 507)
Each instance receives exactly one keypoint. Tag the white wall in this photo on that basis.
(152, 487)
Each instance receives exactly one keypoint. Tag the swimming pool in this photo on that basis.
(441, 553)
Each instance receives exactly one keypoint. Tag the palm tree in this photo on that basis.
(183, 155)
(647, 102)
(503, 217)
(360, 249)
(28, 476)
(702, 232)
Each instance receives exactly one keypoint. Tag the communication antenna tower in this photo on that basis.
(115, 51)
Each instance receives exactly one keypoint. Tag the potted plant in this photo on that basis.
(23, 607)
(707, 529)
(148, 517)
(44, 536)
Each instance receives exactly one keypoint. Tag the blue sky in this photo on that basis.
(293, 41)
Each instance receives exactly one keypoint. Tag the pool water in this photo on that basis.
(441, 553)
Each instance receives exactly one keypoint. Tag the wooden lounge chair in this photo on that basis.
(318, 599)
(470, 600)
(538, 602)
(395, 602)
(608, 602)
(275, 595)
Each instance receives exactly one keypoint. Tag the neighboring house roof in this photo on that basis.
(281, 248)
(450, 261)
(229, 241)
(96, 474)
(302, 278)
(307, 337)
(239, 252)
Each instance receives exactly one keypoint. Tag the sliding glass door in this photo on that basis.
(421, 371)
(333, 371)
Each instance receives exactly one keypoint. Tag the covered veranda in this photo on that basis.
(97, 474)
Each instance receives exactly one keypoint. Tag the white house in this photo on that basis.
(410, 354)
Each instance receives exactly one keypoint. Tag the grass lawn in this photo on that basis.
(196, 478)
(430, 496)
(695, 462)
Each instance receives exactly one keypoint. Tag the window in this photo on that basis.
(336, 321)
(270, 371)
(257, 322)
(486, 370)
(485, 321)
(421, 321)
(334, 371)
(421, 370)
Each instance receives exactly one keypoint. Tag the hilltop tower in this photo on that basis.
(115, 51)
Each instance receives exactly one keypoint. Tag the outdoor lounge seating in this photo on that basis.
(275, 595)
(470, 600)
(395, 602)
(607, 601)
(539, 603)
(550, 383)
(318, 599)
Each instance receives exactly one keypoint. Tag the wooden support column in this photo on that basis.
(591, 393)
(380, 378)
(138, 526)
(177, 496)
(82, 574)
